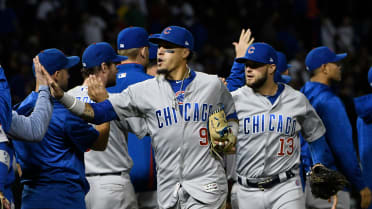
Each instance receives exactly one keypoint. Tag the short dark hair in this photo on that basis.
(85, 72)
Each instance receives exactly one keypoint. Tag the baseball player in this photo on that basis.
(363, 109)
(324, 65)
(133, 43)
(175, 106)
(271, 116)
(107, 172)
(53, 169)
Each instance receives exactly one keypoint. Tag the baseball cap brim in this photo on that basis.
(72, 61)
(159, 39)
(119, 58)
(339, 57)
(245, 59)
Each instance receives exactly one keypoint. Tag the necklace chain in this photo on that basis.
(175, 96)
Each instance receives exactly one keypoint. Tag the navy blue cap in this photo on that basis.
(153, 49)
(54, 60)
(321, 55)
(281, 67)
(259, 52)
(370, 76)
(132, 37)
(100, 52)
(176, 35)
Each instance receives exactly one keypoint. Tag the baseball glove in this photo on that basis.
(325, 182)
(222, 140)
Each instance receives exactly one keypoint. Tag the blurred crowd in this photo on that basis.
(291, 26)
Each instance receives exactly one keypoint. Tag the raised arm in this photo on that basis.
(33, 127)
(236, 78)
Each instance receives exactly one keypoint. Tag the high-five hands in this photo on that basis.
(245, 41)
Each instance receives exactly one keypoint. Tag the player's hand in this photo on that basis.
(245, 41)
(4, 203)
(42, 75)
(366, 197)
(41, 79)
(96, 91)
(335, 200)
(223, 80)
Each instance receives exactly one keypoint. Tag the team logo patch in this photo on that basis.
(297, 183)
(167, 30)
(180, 95)
(122, 45)
(122, 75)
(187, 43)
(251, 50)
(210, 187)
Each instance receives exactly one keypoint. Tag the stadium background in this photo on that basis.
(291, 26)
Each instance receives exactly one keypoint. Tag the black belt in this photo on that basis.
(104, 174)
(270, 182)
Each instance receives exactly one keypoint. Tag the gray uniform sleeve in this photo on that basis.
(138, 126)
(311, 124)
(227, 100)
(125, 104)
(33, 127)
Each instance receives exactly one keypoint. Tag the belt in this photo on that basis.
(104, 174)
(268, 183)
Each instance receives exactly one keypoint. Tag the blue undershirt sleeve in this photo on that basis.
(236, 78)
(103, 112)
(321, 153)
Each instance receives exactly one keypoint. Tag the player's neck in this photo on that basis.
(268, 89)
(179, 73)
(132, 61)
(320, 79)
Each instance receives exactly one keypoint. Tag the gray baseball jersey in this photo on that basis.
(268, 141)
(179, 134)
(115, 158)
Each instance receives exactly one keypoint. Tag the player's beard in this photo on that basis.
(258, 83)
(161, 74)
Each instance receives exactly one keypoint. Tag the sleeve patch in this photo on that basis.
(4, 158)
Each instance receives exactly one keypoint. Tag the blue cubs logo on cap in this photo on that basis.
(97, 53)
(259, 52)
(251, 50)
(132, 37)
(176, 35)
(321, 55)
(54, 60)
(167, 30)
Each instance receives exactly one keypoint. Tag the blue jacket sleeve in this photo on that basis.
(81, 134)
(236, 78)
(4, 165)
(365, 146)
(5, 103)
(321, 153)
(339, 138)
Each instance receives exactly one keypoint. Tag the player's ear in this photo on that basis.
(143, 51)
(272, 68)
(104, 66)
(185, 53)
